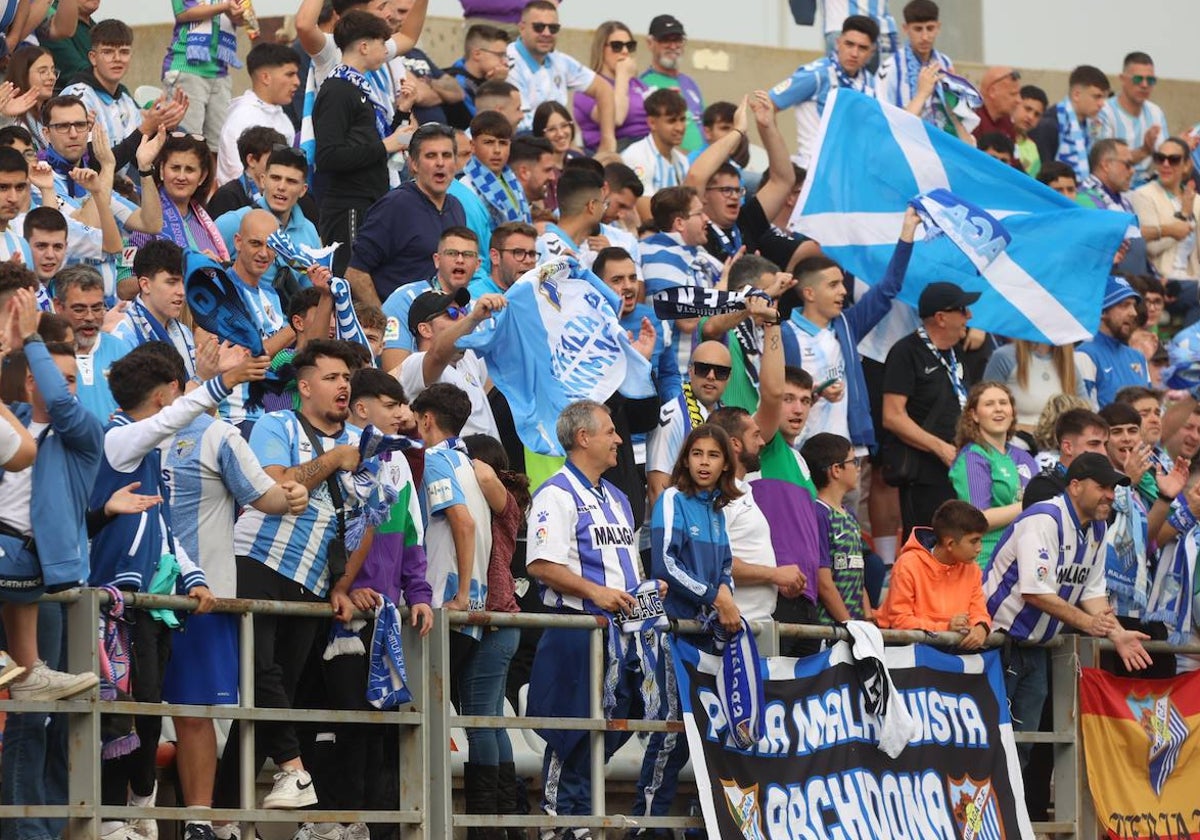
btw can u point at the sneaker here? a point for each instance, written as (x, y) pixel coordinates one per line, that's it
(195, 831)
(9, 670)
(148, 828)
(357, 831)
(293, 789)
(125, 831)
(44, 683)
(321, 831)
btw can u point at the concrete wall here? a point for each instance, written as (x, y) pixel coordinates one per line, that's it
(723, 70)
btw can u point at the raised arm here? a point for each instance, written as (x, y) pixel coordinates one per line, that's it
(772, 195)
(442, 352)
(719, 151)
(310, 34)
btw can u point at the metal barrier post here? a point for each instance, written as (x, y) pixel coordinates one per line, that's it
(1069, 792)
(1089, 657)
(415, 742)
(596, 711)
(437, 693)
(83, 780)
(245, 745)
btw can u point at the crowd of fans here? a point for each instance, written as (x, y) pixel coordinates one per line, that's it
(798, 450)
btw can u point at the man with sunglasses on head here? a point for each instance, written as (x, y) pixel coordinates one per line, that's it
(708, 374)
(437, 320)
(666, 42)
(542, 73)
(1129, 115)
(455, 262)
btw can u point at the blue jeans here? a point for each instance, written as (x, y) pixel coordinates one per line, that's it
(481, 692)
(35, 754)
(1026, 684)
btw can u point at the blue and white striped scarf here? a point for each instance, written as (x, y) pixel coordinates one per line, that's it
(645, 636)
(1126, 569)
(491, 188)
(1074, 138)
(387, 679)
(1171, 597)
(200, 40)
(359, 80)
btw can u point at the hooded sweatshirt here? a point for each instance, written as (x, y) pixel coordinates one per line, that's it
(925, 594)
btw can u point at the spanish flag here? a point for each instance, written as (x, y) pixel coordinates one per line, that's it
(1141, 741)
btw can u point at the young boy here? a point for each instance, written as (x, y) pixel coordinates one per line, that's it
(936, 583)
(656, 158)
(1028, 114)
(909, 78)
(840, 578)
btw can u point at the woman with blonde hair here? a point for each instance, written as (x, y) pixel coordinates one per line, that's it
(989, 471)
(613, 47)
(1044, 436)
(1034, 373)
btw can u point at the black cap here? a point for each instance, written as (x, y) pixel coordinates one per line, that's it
(429, 305)
(940, 297)
(1098, 468)
(665, 26)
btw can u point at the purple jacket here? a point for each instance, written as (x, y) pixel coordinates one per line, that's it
(505, 11)
(794, 534)
(635, 126)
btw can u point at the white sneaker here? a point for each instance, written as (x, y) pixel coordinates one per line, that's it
(44, 683)
(357, 831)
(146, 827)
(125, 831)
(9, 670)
(293, 789)
(321, 831)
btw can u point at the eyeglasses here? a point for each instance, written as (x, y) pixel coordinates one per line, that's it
(52, 72)
(856, 461)
(77, 127)
(623, 46)
(562, 126)
(452, 312)
(539, 28)
(1149, 81)
(497, 53)
(115, 52)
(454, 254)
(520, 254)
(961, 310)
(1014, 75)
(728, 192)
(703, 369)
(670, 39)
(83, 309)
(694, 215)
(1174, 160)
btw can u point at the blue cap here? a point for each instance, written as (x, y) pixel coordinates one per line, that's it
(1116, 290)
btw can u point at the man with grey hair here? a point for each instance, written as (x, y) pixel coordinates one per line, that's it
(582, 550)
(79, 297)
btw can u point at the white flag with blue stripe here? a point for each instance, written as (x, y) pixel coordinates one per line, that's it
(558, 341)
(872, 158)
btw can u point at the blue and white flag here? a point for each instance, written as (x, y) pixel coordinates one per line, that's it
(975, 232)
(872, 158)
(558, 341)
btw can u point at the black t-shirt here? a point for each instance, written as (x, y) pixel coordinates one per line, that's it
(1047, 484)
(758, 235)
(912, 370)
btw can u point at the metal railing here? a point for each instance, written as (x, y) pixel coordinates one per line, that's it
(423, 726)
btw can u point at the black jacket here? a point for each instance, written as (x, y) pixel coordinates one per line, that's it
(351, 160)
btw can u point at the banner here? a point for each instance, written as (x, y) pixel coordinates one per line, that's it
(817, 771)
(1141, 745)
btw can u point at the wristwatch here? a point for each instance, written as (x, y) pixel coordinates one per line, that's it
(146, 173)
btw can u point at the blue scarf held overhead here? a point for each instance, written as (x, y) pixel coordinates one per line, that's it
(491, 188)
(387, 679)
(216, 303)
(973, 230)
(202, 36)
(356, 78)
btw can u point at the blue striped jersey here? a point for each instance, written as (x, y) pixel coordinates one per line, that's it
(806, 91)
(12, 243)
(586, 528)
(210, 472)
(835, 12)
(182, 338)
(1045, 551)
(294, 546)
(667, 263)
(665, 441)
(821, 357)
(655, 171)
(264, 306)
(1116, 122)
(551, 79)
(449, 480)
(397, 335)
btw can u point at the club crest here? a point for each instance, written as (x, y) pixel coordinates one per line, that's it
(743, 807)
(976, 811)
(1166, 731)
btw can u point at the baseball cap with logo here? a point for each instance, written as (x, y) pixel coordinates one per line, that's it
(666, 26)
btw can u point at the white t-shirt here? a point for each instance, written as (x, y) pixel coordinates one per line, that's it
(557, 74)
(247, 111)
(470, 374)
(750, 540)
(17, 489)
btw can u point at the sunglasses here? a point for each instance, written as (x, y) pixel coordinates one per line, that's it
(553, 28)
(703, 369)
(1139, 79)
(1174, 160)
(623, 46)
(453, 312)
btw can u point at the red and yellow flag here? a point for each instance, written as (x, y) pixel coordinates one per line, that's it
(1141, 742)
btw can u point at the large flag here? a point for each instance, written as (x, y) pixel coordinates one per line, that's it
(872, 159)
(1141, 741)
(819, 771)
(558, 341)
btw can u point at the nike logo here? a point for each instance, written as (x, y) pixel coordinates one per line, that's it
(930, 370)
(1107, 370)
(304, 785)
